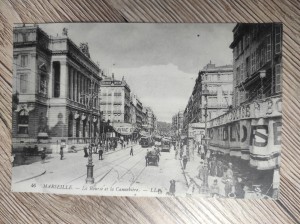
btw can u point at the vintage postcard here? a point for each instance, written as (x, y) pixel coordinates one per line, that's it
(147, 109)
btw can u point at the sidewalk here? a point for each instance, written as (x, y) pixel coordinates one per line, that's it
(191, 173)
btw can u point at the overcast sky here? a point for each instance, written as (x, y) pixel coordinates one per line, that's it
(160, 62)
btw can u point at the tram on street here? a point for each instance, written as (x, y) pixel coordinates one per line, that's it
(146, 142)
(165, 145)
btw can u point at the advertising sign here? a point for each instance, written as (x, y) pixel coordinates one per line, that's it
(123, 128)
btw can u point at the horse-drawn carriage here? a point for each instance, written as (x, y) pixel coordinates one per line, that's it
(152, 157)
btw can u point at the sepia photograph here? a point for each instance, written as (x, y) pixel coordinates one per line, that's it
(152, 110)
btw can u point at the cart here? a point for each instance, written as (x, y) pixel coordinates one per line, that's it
(152, 158)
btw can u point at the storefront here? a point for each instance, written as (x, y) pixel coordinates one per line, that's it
(251, 133)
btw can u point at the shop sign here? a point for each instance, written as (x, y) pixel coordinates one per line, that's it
(123, 128)
(270, 107)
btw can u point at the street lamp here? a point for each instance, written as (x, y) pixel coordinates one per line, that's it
(205, 93)
(89, 108)
(262, 75)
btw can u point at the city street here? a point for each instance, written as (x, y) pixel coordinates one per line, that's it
(118, 172)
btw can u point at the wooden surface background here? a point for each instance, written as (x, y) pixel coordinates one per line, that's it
(45, 208)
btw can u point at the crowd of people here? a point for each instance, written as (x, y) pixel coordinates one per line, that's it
(211, 172)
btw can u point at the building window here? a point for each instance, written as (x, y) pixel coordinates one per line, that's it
(23, 83)
(238, 75)
(262, 57)
(278, 78)
(247, 67)
(24, 61)
(253, 62)
(56, 81)
(242, 72)
(268, 48)
(277, 39)
(23, 120)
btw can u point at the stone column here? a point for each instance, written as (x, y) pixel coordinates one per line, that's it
(76, 86)
(64, 76)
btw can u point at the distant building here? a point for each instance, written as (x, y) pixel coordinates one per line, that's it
(218, 81)
(49, 76)
(115, 100)
(177, 123)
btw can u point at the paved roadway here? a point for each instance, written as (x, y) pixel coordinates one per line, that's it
(117, 174)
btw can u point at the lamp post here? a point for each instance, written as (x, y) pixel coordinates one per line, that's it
(205, 93)
(262, 75)
(89, 108)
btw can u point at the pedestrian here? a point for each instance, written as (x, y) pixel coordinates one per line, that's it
(184, 161)
(200, 169)
(85, 151)
(131, 151)
(228, 179)
(220, 169)
(172, 189)
(176, 152)
(213, 167)
(239, 188)
(100, 153)
(205, 174)
(202, 152)
(43, 155)
(191, 188)
(214, 189)
(61, 153)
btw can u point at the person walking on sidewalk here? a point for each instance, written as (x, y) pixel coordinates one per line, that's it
(43, 155)
(228, 180)
(184, 161)
(172, 189)
(85, 151)
(61, 153)
(212, 166)
(131, 151)
(100, 153)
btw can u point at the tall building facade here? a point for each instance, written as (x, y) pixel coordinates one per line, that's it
(115, 100)
(177, 123)
(257, 53)
(251, 130)
(50, 76)
(217, 80)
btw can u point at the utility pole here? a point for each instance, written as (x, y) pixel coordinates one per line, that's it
(89, 99)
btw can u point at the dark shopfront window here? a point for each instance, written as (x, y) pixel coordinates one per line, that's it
(23, 120)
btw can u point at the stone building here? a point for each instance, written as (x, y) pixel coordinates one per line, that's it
(251, 130)
(177, 123)
(257, 57)
(115, 100)
(50, 74)
(218, 81)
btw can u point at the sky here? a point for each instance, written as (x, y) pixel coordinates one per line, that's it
(160, 62)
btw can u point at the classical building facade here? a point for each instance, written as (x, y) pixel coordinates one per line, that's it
(115, 100)
(51, 74)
